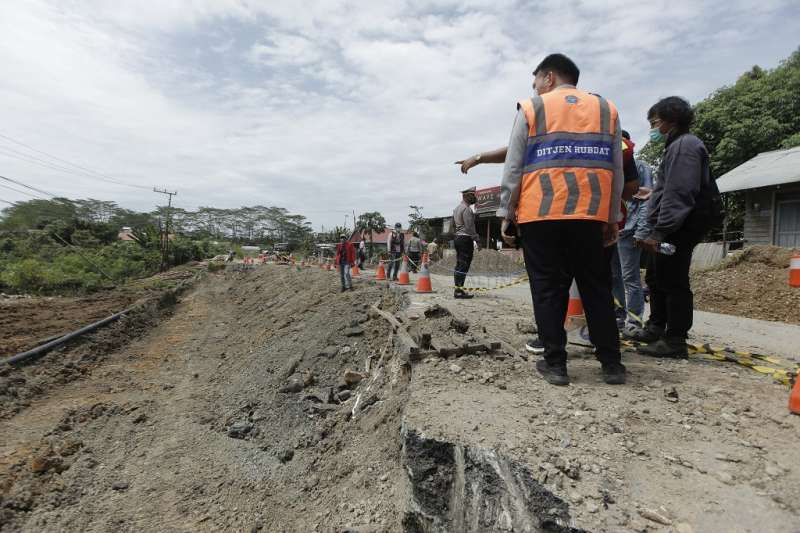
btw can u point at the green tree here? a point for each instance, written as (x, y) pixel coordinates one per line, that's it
(371, 222)
(758, 113)
(419, 223)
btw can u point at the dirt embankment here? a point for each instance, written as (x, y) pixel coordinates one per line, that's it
(753, 283)
(248, 409)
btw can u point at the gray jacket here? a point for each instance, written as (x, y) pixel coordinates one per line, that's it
(680, 175)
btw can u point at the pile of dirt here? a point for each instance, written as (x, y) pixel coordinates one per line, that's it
(753, 283)
(485, 262)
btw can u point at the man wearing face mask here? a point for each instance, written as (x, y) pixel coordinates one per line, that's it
(680, 212)
(466, 235)
(562, 187)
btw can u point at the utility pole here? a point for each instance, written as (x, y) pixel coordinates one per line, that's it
(165, 231)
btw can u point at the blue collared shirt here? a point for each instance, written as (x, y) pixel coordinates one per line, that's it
(636, 223)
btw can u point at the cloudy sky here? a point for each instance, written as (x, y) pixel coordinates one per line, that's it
(330, 107)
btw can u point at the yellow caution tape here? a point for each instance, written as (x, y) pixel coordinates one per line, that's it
(518, 281)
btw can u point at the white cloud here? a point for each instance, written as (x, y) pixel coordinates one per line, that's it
(328, 106)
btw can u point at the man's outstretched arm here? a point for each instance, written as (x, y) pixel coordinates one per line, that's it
(495, 156)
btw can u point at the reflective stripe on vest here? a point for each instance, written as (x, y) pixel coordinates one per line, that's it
(569, 161)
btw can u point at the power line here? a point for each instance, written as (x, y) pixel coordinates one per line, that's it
(4, 150)
(7, 202)
(28, 186)
(21, 192)
(88, 172)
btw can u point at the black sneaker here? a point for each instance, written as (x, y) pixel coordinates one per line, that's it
(614, 374)
(646, 334)
(463, 295)
(534, 345)
(554, 375)
(666, 348)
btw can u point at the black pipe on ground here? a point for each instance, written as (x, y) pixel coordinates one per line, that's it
(44, 348)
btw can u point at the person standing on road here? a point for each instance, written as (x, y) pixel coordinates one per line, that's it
(636, 228)
(362, 252)
(433, 250)
(414, 248)
(681, 210)
(466, 240)
(396, 246)
(631, 174)
(562, 187)
(345, 258)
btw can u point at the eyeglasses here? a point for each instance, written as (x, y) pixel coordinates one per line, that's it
(654, 123)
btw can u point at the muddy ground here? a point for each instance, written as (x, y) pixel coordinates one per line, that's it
(267, 400)
(753, 283)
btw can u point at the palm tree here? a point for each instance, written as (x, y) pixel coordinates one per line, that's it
(370, 222)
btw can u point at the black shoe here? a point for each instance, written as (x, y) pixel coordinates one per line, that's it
(667, 348)
(614, 374)
(463, 295)
(554, 375)
(343, 289)
(534, 345)
(646, 334)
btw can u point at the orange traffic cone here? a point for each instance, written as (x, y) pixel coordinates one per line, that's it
(354, 272)
(402, 276)
(574, 307)
(794, 271)
(380, 274)
(794, 397)
(424, 280)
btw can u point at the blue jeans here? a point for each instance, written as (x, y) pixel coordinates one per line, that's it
(394, 265)
(629, 256)
(617, 285)
(344, 273)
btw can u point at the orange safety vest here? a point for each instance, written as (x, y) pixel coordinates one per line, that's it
(569, 161)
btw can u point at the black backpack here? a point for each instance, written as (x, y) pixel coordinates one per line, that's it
(709, 211)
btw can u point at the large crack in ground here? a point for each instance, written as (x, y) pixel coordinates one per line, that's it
(454, 487)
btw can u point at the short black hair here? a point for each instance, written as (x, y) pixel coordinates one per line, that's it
(626, 135)
(675, 110)
(561, 65)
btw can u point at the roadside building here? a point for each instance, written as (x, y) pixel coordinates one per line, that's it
(771, 185)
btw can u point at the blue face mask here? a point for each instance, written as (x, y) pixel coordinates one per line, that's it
(656, 135)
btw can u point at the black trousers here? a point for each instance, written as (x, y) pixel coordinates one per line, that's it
(414, 259)
(556, 251)
(671, 297)
(465, 249)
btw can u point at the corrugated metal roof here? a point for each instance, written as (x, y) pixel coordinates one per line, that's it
(765, 169)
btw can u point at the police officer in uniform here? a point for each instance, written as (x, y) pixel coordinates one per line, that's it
(466, 239)
(562, 186)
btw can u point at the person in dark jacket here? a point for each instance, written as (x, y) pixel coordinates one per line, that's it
(345, 259)
(396, 246)
(674, 218)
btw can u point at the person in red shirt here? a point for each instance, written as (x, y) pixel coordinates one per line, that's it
(345, 258)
